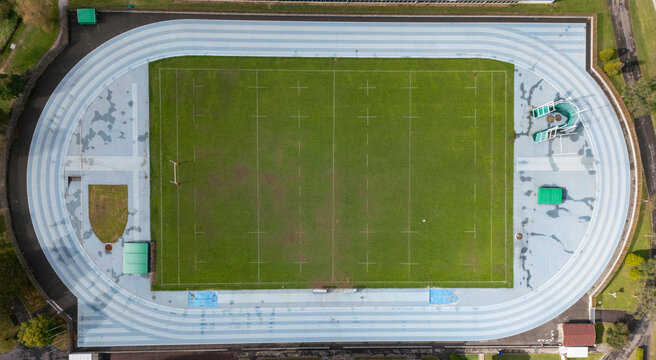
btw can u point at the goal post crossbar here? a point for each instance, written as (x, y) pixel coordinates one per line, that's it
(175, 172)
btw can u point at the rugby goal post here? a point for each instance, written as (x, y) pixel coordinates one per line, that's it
(175, 172)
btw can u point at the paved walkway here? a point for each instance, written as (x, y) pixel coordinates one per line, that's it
(113, 315)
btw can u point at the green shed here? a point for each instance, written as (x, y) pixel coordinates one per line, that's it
(135, 258)
(86, 16)
(550, 195)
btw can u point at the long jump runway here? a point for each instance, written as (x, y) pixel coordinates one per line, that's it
(111, 315)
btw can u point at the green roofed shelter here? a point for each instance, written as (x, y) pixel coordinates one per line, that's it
(550, 196)
(135, 258)
(86, 16)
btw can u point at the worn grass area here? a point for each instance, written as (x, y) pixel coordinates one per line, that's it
(108, 211)
(621, 285)
(331, 172)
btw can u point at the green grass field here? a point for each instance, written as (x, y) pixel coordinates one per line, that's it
(298, 173)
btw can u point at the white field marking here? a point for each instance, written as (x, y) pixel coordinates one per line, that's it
(193, 120)
(298, 117)
(491, 165)
(332, 223)
(340, 71)
(177, 158)
(337, 282)
(505, 175)
(298, 87)
(367, 87)
(475, 127)
(409, 117)
(300, 233)
(135, 124)
(196, 262)
(300, 193)
(367, 263)
(367, 232)
(475, 87)
(257, 166)
(161, 188)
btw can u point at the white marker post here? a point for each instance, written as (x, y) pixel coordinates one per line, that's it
(175, 172)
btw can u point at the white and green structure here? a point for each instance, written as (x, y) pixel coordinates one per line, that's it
(567, 110)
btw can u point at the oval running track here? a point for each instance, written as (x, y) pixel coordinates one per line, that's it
(130, 320)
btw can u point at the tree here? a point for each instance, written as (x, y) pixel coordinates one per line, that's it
(635, 274)
(11, 86)
(617, 335)
(640, 96)
(36, 331)
(613, 68)
(5, 9)
(633, 259)
(35, 12)
(606, 54)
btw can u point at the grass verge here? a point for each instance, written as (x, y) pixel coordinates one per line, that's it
(108, 211)
(621, 285)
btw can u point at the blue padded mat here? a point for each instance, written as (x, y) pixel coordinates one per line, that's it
(443, 296)
(201, 299)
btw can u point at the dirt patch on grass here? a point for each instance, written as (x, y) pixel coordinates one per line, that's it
(108, 211)
(241, 172)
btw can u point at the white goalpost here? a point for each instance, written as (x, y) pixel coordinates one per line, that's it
(175, 172)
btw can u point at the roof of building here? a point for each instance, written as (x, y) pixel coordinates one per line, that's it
(550, 195)
(135, 258)
(578, 334)
(86, 16)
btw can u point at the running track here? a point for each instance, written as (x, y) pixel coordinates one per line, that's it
(121, 318)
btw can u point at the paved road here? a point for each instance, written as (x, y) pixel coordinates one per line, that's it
(133, 320)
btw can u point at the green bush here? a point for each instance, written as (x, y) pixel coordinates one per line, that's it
(635, 274)
(613, 68)
(633, 259)
(617, 335)
(36, 331)
(606, 54)
(11, 86)
(7, 27)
